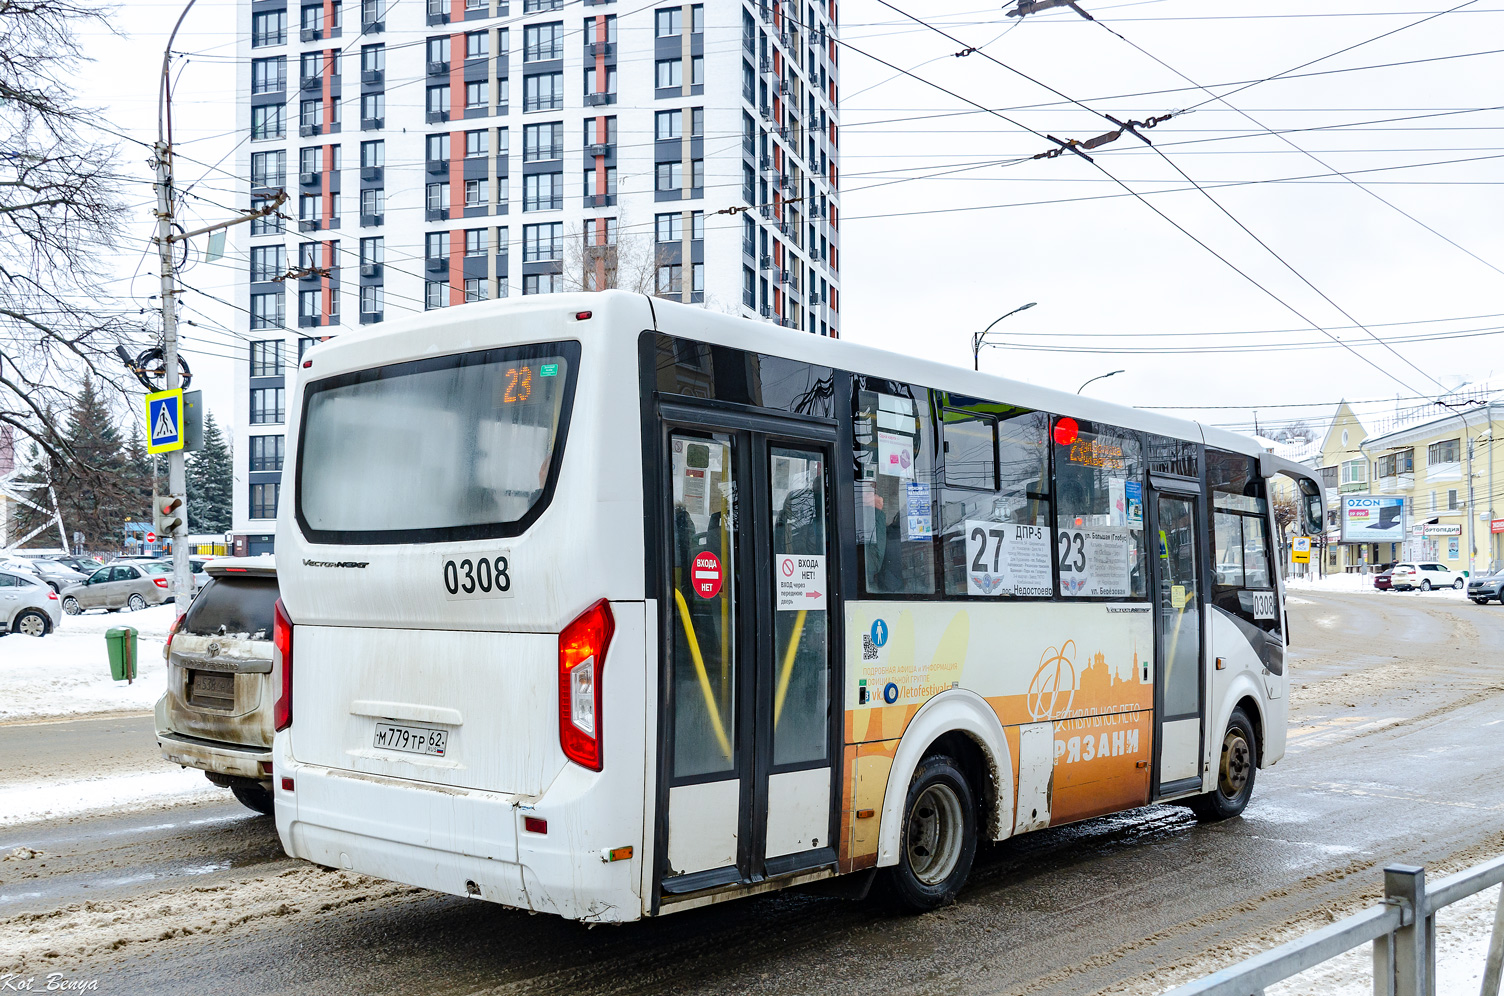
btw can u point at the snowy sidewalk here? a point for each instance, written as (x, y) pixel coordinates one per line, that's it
(67, 672)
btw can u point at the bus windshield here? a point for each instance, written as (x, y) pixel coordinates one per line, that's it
(447, 448)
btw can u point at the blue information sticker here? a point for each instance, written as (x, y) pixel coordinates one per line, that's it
(879, 633)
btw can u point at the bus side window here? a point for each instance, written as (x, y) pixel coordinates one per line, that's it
(895, 487)
(1240, 537)
(1099, 510)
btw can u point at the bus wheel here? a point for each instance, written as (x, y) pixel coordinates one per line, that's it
(939, 836)
(1235, 772)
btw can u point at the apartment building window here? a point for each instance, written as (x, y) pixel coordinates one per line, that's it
(670, 279)
(592, 182)
(1398, 462)
(1446, 451)
(310, 207)
(269, 29)
(267, 311)
(697, 174)
(543, 192)
(267, 452)
(477, 144)
(372, 299)
(697, 225)
(268, 121)
(477, 193)
(542, 42)
(304, 344)
(264, 500)
(543, 92)
(503, 243)
(438, 100)
(697, 122)
(749, 288)
(596, 82)
(669, 73)
(542, 142)
(310, 112)
(503, 47)
(266, 358)
(476, 289)
(436, 246)
(308, 304)
(697, 19)
(697, 278)
(373, 58)
(266, 224)
(267, 263)
(435, 294)
(269, 75)
(372, 105)
(1452, 503)
(373, 201)
(668, 22)
(268, 405)
(542, 242)
(543, 283)
(668, 125)
(436, 148)
(311, 159)
(372, 251)
(478, 94)
(310, 66)
(669, 227)
(269, 169)
(373, 154)
(475, 242)
(669, 176)
(538, 6)
(1355, 472)
(313, 17)
(438, 196)
(592, 131)
(697, 70)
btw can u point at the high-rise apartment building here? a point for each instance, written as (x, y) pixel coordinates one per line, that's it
(436, 152)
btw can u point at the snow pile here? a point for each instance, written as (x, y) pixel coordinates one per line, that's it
(67, 672)
(1349, 583)
(25, 802)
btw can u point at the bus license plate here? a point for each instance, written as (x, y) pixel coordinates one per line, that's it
(413, 739)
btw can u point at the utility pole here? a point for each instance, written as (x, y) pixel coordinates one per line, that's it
(177, 471)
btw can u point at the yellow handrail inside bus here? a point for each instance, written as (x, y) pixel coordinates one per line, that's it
(694, 652)
(725, 620)
(788, 666)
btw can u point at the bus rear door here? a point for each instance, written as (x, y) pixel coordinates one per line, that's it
(746, 788)
(1179, 639)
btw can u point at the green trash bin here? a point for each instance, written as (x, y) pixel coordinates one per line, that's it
(121, 641)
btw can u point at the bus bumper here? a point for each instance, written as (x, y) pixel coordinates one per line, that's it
(464, 842)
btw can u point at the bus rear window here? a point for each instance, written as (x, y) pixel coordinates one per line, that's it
(455, 447)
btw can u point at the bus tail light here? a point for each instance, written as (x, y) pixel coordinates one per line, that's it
(281, 666)
(582, 652)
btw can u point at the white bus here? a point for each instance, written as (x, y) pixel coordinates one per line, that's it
(610, 607)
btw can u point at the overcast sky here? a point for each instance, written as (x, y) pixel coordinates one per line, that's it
(948, 224)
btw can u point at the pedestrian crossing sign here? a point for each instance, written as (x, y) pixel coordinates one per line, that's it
(164, 421)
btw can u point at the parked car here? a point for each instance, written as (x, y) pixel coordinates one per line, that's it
(84, 565)
(217, 713)
(27, 605)
(17, 565)
(1383, 580)
(55, 574)
(1425, 576)
(1481, 589)
(131, 586)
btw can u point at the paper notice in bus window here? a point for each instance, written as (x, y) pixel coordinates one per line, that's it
(1093, 562)
(694, 492)
(800, 581)
(893, 403)
(1006, 558)
(895, 455)
(918, 507)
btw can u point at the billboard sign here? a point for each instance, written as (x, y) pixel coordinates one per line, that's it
(1373, 519)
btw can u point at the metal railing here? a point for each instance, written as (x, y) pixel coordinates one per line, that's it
(1402, 931)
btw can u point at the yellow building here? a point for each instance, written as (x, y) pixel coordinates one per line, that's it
(1450, 470)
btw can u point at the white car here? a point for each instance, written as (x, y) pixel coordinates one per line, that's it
(27, 605)
(1425, 576)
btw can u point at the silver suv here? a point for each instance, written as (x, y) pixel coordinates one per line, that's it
(217, 713)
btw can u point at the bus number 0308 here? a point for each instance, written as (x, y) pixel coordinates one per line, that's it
(477, 577)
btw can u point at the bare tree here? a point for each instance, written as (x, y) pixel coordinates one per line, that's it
(59, 215)
(626, 262)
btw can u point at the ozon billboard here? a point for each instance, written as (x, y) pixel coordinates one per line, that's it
(1372, 519)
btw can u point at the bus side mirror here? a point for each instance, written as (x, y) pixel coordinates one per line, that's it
(1312, 507)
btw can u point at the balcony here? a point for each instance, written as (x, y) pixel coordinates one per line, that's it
(370, 172)
(370, 317)
(309, 224)
(371, 220)
(436, 214)
(438, 166)
(373, 27)
(765, 163)
(311, 34)
(370, 269)
(437, 18)
(607, 49)
(766, 311)
(597, 99)
(311, 83)
(308, 321)
(309, 130)
(373, 75)
(434, 117)
(437, 264)
(438, 69)
(372, 124)
(598, 149)
(600, 200)
(766, 263)
(1396, 482)
(765, 65)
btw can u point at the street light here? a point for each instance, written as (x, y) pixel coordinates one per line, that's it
(976, 340)
(1100, 377)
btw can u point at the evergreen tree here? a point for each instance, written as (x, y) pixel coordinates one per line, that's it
(211, 473)
(93, 487)
(140, 468)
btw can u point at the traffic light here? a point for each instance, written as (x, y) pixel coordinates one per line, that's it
(167, 516)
